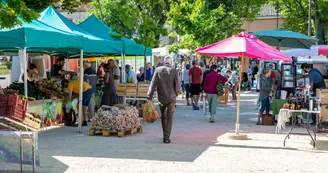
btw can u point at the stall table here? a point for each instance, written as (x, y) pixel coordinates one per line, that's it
(284, 116)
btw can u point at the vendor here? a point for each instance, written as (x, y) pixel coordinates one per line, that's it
(32, 74)
(316, 79)
(57, 69)
(73, 87)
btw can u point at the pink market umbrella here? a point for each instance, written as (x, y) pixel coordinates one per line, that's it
(243, 45)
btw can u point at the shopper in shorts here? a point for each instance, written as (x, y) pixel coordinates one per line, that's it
(73, 87)
(195, 74)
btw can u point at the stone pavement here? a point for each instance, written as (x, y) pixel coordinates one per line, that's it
(197, 147)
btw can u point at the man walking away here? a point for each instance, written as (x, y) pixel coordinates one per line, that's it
(195, 74)
(167, 84)
(90, 77)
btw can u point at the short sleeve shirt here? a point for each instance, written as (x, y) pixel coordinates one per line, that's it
(74, 86)
(55, 71)
(315, 77)
(196, 74)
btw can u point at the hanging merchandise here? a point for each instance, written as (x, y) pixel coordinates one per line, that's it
(326, 66)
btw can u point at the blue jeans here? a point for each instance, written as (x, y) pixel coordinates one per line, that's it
(265, 105)
(212, 102)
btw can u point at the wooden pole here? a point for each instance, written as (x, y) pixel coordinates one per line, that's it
(238, 104)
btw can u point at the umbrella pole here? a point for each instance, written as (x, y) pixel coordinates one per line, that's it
(238, 136)
(25, 72)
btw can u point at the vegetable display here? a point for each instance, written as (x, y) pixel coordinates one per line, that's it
(116, 119)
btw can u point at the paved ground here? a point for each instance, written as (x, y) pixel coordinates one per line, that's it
(197, 147)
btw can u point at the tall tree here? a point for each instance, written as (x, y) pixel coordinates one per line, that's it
(206, 22)
(296, 16)
(28, 10)
(141, 20)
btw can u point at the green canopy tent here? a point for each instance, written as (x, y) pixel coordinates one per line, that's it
(93, 45)
(97, 27)
(38, 37)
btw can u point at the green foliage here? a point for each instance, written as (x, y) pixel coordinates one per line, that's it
(206, 22)
(295, 13)
(141, 20)
(28, 10)
(121, 15)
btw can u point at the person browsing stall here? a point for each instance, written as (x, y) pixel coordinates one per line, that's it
(210, 88)
(73, 87)
(57, 69)
(316, 79)
(32, 74)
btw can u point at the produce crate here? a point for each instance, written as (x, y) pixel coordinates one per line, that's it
(131, 89)
(119, 93)
(16, 107)
(131, 92)
(121, 87)
(324, 95)
(143, 87)
(324, 113)
(3, 104)
(32, 122)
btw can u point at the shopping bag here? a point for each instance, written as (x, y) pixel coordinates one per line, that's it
(149, 112)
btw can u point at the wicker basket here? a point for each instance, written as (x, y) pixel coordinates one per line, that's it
(268, 120)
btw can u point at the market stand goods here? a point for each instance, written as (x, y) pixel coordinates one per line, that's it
(45, 97)
(116, 119)
(44, 89)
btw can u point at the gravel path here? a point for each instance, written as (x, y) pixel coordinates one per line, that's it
(197, 147)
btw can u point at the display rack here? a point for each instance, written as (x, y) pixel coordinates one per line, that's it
(24, 132)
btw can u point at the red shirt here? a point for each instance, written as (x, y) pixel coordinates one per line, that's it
(196, 74)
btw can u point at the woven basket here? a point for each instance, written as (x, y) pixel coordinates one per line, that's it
(268, 120)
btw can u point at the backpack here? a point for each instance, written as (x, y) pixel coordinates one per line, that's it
(70, 117)
(219, 88)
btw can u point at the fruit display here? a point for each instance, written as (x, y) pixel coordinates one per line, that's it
(116, 119)
(43, 89)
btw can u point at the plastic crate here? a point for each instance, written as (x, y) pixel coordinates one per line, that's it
(16, 108)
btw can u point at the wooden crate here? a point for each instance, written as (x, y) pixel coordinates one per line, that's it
(143, 94)
(324, 95)
(121, 87)
(143, 87)
(131, 92)
(121, 93)
(324, 113)
(225, 98)
(95, 132)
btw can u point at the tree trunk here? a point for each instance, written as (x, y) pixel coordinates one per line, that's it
(319, 27)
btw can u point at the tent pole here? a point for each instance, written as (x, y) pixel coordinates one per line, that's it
(135, 63)
(81, 93)
(123, 73)
(239, 83)
(25, 72)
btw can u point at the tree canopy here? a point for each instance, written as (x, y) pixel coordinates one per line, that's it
(204, 22)
(295, 13)
(27, 10)
(141, 20)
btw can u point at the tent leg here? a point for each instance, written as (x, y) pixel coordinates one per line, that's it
(123, 74)
(81, 93)
(25, 72)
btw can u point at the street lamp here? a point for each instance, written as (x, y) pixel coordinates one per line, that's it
(309, 19)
